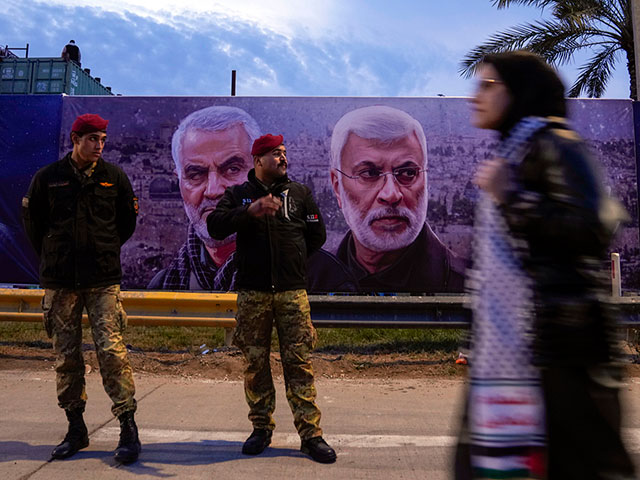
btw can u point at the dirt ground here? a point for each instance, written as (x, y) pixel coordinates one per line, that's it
(227, 363)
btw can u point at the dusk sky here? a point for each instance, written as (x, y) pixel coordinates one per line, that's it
(279, 48)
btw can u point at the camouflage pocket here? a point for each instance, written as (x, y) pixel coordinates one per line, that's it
(47, 300)
(121, 315)
(237, 338)
(314, 337)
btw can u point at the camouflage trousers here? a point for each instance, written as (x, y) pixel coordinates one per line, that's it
(290, 311)
(62, 320)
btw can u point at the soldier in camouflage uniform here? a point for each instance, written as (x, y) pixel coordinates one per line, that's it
(77, 213)
(278, 224)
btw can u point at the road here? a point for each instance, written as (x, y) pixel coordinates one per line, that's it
(194, 428)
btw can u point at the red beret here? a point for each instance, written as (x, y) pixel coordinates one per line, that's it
(89, 122)
(265, 144)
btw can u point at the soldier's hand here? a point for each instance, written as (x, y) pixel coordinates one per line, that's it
(268, 205)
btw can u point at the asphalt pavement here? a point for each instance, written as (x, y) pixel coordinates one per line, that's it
(194, 428)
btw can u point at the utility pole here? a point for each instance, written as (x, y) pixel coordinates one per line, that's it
(635, 16)
(233, 83)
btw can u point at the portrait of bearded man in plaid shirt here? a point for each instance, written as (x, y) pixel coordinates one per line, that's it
(212, 151)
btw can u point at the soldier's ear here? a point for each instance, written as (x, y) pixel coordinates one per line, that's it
(75, 138)
(336, 186)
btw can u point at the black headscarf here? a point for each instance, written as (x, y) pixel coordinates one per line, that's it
(534, 86)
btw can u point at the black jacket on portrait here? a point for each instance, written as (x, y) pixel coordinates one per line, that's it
(426, 266)
(271, 251)
(78, 226)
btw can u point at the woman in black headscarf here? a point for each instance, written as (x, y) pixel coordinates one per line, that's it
(543, 401)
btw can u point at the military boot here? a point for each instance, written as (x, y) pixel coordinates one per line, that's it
(259, 439)
(129, 445)
(77, 436)
(318, 449)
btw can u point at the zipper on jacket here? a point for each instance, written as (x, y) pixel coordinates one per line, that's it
(273, 281)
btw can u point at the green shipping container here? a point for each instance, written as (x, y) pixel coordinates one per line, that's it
(47, 76)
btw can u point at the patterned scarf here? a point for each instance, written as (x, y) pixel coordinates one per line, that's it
(506, 408)
(194, 257)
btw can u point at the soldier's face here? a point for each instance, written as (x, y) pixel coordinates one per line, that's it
(89, 146)
(211, 162)
(273, 164)
(388, 213)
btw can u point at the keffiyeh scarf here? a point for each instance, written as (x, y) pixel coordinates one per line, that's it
(193, 257)
(506, 411)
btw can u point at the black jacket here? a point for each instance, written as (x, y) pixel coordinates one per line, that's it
(557, 205)
(271, 252)
(77, 226)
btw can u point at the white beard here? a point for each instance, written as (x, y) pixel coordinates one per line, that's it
(384, 241)
(200, 224)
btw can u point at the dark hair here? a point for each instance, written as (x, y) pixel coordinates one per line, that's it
(535, 87)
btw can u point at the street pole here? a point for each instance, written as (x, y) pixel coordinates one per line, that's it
(233, 83)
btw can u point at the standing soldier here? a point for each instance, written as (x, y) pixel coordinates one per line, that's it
(78, 213)
(277, 224)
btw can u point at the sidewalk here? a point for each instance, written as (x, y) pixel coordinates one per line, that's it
(194, 428)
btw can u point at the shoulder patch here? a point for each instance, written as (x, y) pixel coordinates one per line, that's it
(312, 218)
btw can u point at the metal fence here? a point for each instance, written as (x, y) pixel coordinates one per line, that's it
(218, 309)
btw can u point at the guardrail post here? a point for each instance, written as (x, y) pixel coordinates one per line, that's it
(616, 280)
(228, 336)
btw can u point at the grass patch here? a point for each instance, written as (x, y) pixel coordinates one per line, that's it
(180, 339)
(161, 339)
(388, 340)
(23, 333)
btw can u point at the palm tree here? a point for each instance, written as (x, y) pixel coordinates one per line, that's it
(604, 27)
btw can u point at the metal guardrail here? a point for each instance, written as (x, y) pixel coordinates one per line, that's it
(143, 308)
(218, 309)
(438, 311)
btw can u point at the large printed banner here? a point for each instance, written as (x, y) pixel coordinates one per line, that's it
(29, 133)
(376, 190)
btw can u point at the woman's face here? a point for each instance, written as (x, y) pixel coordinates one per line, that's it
(491, 101)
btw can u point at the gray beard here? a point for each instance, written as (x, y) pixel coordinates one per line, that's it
(200, 225)
(385, 241)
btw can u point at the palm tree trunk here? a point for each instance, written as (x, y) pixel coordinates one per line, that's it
(631, 67)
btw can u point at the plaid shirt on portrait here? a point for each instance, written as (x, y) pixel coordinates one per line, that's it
(193, 258)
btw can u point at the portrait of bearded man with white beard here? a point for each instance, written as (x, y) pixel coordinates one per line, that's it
(379, 177)
(211, 149)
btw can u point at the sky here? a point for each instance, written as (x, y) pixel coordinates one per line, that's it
(400, 48)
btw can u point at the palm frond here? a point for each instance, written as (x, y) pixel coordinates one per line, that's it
(594, 76)
(554, 41)
(559, 47)
(603, 26)
(619, 10)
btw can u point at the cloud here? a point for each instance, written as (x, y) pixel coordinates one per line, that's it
(285, 47)
(279, 16)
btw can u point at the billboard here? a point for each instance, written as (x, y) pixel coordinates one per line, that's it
(29, 134)
(170, 250)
